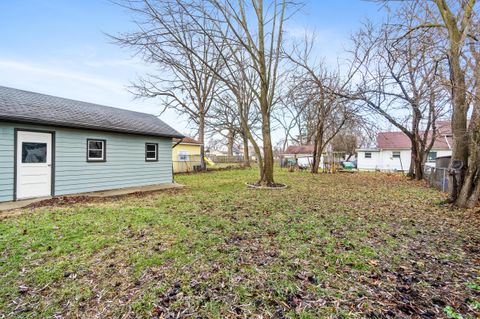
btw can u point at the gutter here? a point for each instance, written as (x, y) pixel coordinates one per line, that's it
(24, 120)
(179, 141)
(173, 173)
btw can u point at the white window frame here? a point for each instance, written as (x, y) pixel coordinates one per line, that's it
(369, 154)
(103, 149)
(183, 156)
(433, 160)
(396, 154)
(150, 159)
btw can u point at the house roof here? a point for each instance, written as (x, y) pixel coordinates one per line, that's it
(300, 149)
(187, 140)
(398, 140)
(29, 107)
(444, 127)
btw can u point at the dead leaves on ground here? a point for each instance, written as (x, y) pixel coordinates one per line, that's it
(346, 245)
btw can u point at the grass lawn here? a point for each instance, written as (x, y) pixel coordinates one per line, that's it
(338, 246)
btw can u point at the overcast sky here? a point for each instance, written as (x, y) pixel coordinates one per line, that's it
(59, 47)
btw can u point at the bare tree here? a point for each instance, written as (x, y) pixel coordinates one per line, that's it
(397, 79)
(331, 113)
(253, 31)
(325, 111)
(185, 60)
(470, 185)
(294, 117)
(346, 141)
(260, 35)
(290, 117)
(233, 113)
(223, 120)
(452, 23)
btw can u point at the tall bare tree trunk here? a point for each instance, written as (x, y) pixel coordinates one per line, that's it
(459, 123)
(417, 151)
(250, 137)
(416, 169)
(411, 169)
(230, 142)
(201, 139)
(266, 91)
(470, 190)
(317, 151)
(419, 166)
(266, 179)
(457, 26)
(246, 155)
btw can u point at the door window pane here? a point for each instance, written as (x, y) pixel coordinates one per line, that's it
(34, 152)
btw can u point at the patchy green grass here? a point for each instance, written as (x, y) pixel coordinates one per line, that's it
(340, 246)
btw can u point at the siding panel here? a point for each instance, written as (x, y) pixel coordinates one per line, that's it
(6, 162)
(125, 165)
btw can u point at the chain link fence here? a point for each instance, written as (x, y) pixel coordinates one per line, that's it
(436, 177)
(225, 159)
(192, 163)
(187, 164)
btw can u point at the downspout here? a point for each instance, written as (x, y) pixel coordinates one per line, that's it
(448, 143)
(179, 141)
(401, 164)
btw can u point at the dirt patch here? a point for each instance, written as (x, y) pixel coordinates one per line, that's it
(214, 169)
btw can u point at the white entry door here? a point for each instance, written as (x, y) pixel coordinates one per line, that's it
(34, 164)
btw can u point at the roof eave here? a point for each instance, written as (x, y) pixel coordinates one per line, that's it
(83, 126)
(367, 150)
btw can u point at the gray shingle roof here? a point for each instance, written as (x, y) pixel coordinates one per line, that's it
(29, 107)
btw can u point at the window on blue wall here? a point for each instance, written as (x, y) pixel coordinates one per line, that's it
(151, 152)
(96, 150)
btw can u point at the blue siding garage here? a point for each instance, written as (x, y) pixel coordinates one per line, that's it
(82, 159)
(6, 163)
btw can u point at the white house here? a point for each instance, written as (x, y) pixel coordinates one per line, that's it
(303, 154)
(393, 151)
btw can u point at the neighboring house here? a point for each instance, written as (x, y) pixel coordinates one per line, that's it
(186, 154)
(303, 154)
(54, 146)
(221, 156)
(216, 153)
(235, 152)
(393, 151)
